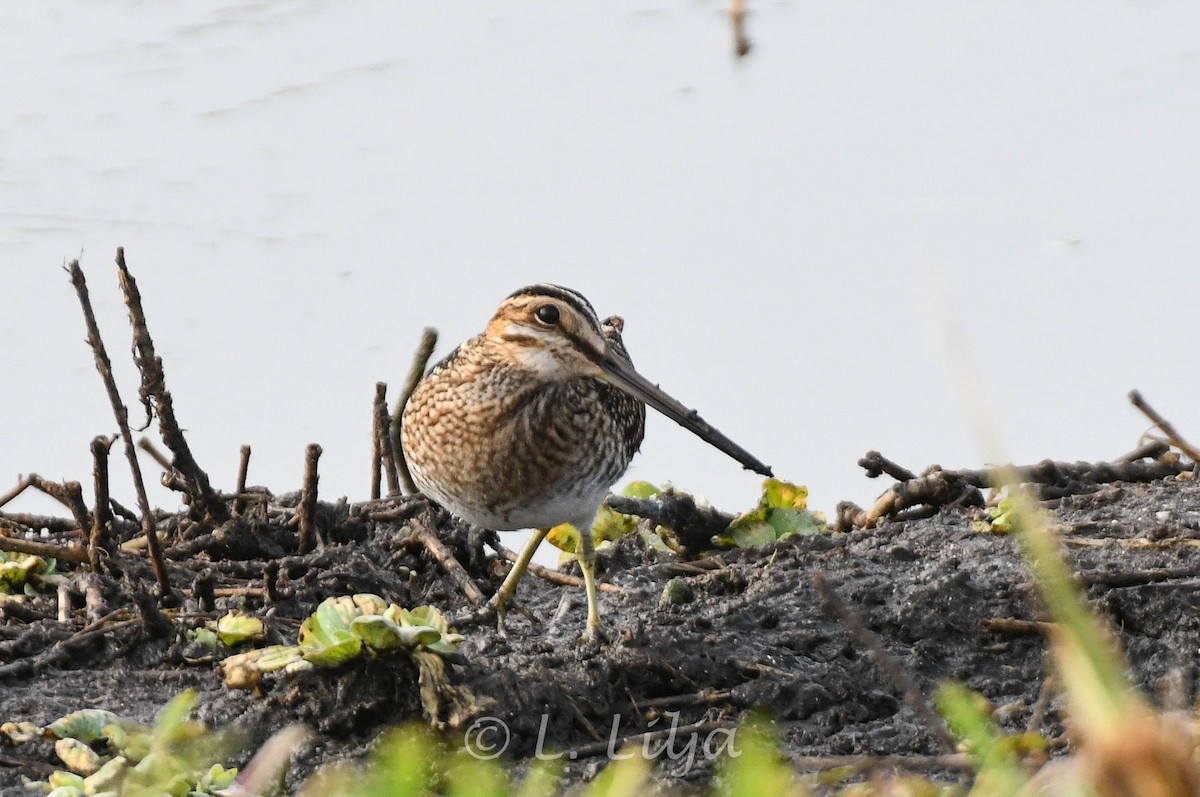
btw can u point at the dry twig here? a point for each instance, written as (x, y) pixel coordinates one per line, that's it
(1135, 398)
(102, 514)
(104, 366)
(383, 454)
(1014, 625)
(925, 495)
(64, 553)
(308, 500)
(444, 557)
(239, 502)
(205, 501)
(416, 371)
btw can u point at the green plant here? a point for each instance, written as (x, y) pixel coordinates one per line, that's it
(177, 757)
(782, 512)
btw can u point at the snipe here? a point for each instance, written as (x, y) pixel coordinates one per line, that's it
(528, 425)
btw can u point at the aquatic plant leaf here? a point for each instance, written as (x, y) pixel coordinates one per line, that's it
(77, 756)
(565, 538)
(380, 633)
(65, 780)
(236, 628)
(86, 725)
(244, 670)
(638, 489)
(334, 653)
(20, 732)
(366, 603)
(428, 615)
(129, 740)
(203, 635)
(216, 778)
(325, 635)
(778, 494)
(107, 777)
(781, 513)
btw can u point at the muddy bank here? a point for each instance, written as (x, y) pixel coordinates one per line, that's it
(735, 630)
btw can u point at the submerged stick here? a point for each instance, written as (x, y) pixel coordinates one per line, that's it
(416, 372)
(104, 366)
(154, 389)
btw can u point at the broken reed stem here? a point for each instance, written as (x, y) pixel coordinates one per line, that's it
(416, 372)
(239, 502)
(104, 366)
(308, 499)
(30, 522)
(1038, 713)
(159, 457)
(1014, 625)
(102, 514)
(444, 557)
(69, 494)
(21, 487)
(271, 581)
(383, 437)
(876, 464)
(900, 679)
(205, 500)
(376, 446)
(1135, 398)
(63, 553)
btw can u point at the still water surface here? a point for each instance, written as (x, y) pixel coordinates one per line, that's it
(796, 239)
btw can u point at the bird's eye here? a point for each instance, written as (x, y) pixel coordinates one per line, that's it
(547, 314)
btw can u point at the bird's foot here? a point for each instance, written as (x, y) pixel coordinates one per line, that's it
(500, 615)
(592, 639)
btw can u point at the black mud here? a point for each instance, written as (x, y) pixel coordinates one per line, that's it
(739, 630)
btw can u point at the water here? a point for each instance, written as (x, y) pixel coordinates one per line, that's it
(796, 239)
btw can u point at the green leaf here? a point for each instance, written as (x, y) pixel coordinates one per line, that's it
(78, 757)
(236, 628)
(86, 725)
(781, 513)
(640, 490)
(325, 636)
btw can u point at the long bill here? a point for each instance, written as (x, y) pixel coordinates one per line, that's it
(620, 373)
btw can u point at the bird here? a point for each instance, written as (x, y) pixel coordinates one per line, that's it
(529, 424)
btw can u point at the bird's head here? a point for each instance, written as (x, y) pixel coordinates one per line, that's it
(555, 332)
(552, 331)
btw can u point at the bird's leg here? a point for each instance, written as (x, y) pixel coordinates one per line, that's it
(587, 563)
(509, 587)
